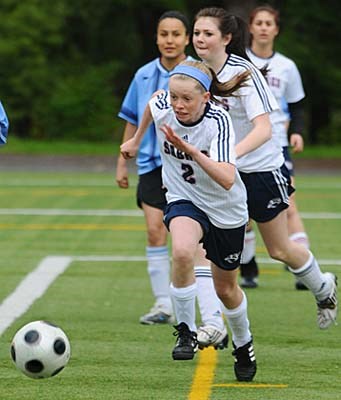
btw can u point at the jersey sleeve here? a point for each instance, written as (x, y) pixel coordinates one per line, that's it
(4, 124)
(159, 104)
(294, 91)
(256, 96)
(129, 108)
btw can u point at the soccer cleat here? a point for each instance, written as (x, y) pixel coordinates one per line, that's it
(158, 314)
(186, 344)
(211, 336)
(249, 283)
(245, 365)
(327, 309)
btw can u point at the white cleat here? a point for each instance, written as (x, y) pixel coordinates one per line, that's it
(208, 335)
(327, 309)
(158, 314)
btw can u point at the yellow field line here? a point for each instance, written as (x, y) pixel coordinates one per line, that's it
(204, 374)
(251, 385)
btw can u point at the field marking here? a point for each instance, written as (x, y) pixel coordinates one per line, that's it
(124, 213)
(33, 286)
(252, 385)
(204, 375)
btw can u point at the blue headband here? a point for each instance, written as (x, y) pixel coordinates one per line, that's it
(194, 73)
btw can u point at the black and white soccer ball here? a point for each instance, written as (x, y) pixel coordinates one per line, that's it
(40, 349)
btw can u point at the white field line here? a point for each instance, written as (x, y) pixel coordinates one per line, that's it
(123, 213)
(30, 289)
(35, 284)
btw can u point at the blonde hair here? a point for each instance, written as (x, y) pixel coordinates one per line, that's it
(217, 88)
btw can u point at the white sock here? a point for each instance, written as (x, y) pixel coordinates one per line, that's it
(158, 269)
(239, 323)
(184, 304)
(311, 276)
(300, 237)
(208, 301)
(249, 250)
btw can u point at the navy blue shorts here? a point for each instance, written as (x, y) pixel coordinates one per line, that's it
(223, 246)
(267, 193)
(288, 160)
(150, 190)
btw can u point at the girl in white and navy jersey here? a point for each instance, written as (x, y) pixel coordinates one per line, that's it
(219, 41)
(206, 198)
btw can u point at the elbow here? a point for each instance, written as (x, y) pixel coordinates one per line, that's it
(228, 183)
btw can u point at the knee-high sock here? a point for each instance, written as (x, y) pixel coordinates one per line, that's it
(184, 304)
(249, 250)
(311, 276)
(239, 323)
(208, 301)
(158, 269)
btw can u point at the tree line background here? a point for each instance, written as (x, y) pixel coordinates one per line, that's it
(65, 65)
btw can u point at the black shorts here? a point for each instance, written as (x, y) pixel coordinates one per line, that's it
(288, 160)
(267, 193)
(150, 190)
(223, 246)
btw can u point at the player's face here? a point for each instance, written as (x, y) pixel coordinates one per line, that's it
(171, 38)
(208, 41)
(264, 28)
(187, 100)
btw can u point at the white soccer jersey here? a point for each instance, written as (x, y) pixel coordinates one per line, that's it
(250, 101)
(184, 179)
(285, 83)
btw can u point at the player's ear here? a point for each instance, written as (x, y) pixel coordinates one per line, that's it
(207, 96)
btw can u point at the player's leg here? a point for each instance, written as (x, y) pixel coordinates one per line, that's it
(249, 270)
(186, 234)
(151, 198)
(235, 309)
(296, 230)
(303, 265)
(212, 331)
(158, 266)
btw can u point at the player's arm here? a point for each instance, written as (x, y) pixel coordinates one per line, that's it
(259, 134)
(296, 125)
(130, 147)
(121, 167)
(221, 172)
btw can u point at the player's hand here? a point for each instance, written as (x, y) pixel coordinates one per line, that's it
(122, 173)
(129, 149)
(296, 143)
(175, 140)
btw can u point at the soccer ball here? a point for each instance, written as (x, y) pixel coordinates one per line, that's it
(40, 349)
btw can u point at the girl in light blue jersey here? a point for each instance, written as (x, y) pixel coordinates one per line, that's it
(3, 125)
(172, 38)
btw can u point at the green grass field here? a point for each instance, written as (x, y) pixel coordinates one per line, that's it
(99, 299)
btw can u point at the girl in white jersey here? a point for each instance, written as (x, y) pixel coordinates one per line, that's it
(218, 40)
(285, 83)
(206, 201)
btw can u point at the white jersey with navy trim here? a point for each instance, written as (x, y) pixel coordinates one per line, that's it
(285, 83)
(184, 179)
(247, 103)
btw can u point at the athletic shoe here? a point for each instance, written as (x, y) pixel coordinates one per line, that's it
(327, 309)
(158, 314)
(245, 365)
(211, 336)
(300, 286)
(186, 344)
(249, 283)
